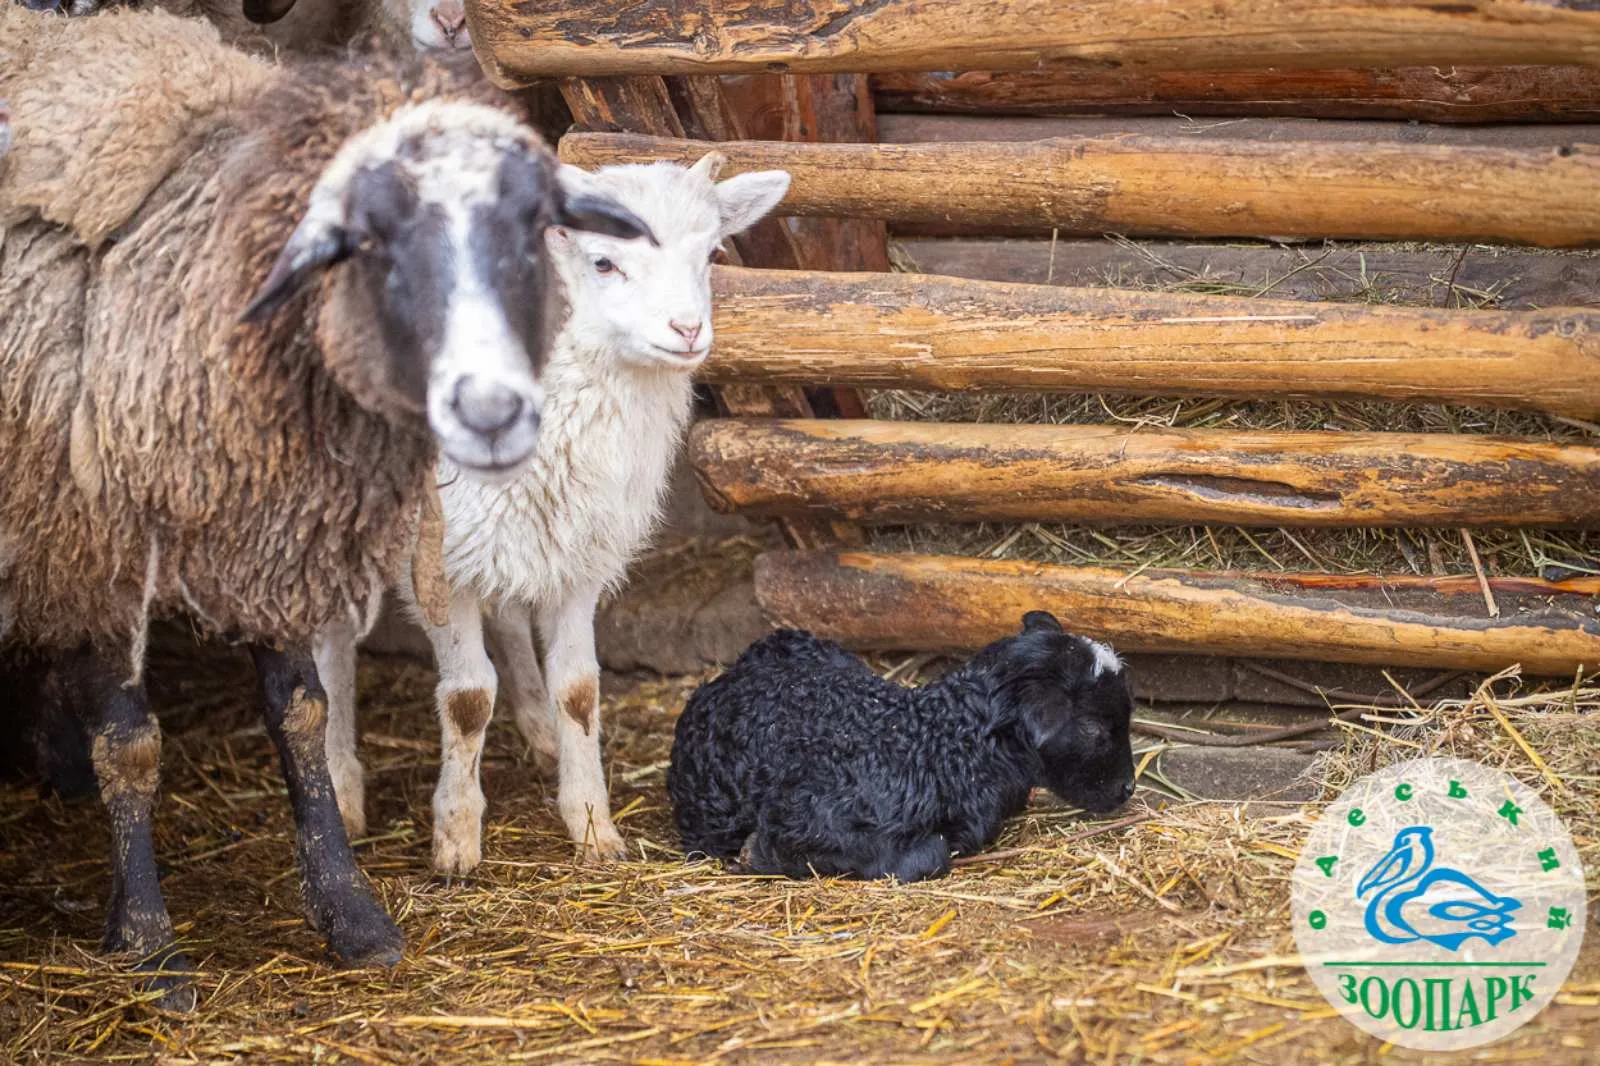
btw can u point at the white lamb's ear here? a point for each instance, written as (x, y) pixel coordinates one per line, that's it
(709, 166)
(744, 199)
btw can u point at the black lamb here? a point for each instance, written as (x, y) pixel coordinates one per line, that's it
(801, 761)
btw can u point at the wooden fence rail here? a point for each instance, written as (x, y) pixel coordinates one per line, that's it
(886, 472)
(951, 604)
(1427, 94)
(1170, 186)
(911, 331)
(518, 41)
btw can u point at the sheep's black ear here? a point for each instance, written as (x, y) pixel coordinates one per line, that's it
(304, 255)
(262, 12)
(1040, 621)
(579, 205)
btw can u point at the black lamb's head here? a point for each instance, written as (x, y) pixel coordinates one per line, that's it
(1072, 699)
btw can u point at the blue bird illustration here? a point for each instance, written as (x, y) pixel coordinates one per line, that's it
(1399, 881)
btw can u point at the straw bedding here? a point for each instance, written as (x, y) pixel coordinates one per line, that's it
(1161, 941)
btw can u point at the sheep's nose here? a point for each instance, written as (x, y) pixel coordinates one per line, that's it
(450, 17)
(1127, 791)
(689, 333)
(485, 407)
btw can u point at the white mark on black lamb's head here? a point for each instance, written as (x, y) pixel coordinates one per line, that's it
(651, 302)
(440, 212)
(1073, 698)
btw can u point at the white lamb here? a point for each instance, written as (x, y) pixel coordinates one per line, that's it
(540, 550)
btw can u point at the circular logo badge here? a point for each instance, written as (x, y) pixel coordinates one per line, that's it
(1439, 904)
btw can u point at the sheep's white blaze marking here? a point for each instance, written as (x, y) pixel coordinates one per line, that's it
(478, 339)
(1105, 660)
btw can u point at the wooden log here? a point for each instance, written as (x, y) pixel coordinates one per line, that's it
(883, 472)
(954, 604)
(1427, 94)
(1288, 133)
(912, 331)
(1506, 279)
(1178, 188)
(517, 41)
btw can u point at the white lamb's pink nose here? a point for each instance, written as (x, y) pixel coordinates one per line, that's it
(689, 333)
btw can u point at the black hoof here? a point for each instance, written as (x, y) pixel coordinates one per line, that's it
(170, 972)
(366, 940)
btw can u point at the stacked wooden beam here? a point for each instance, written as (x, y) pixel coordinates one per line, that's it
(1043, 173)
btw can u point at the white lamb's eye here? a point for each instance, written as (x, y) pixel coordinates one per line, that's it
(602, 265)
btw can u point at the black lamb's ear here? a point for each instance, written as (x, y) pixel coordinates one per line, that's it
(262, 12)
(310, 249)
(1040, 621)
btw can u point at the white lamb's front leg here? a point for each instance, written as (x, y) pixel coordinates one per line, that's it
(510, 633)
(573, 675)
(465, 701)
(334, 651)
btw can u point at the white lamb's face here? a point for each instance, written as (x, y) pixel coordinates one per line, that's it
(650, 302)
(435, 25)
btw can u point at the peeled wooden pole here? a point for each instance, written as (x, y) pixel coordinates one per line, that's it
(1176, 187)
(883, 472)
(517, 41)
(1427, 94)
(952, 604)
(911, 331)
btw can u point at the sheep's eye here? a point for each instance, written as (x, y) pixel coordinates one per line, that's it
(602, 265)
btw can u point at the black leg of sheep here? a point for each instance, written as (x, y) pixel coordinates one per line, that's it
(338, 898)
(126, 751)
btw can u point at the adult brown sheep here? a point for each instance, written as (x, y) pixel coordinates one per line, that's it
(262, 477)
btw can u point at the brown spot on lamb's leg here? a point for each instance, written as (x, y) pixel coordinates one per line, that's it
(338, 898)
(465, 702)
(126, 751)
(581, 703)
(573, 675)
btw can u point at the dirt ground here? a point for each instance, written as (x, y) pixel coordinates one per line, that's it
(1164, 941)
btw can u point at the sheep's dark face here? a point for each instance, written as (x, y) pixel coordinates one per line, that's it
(1073, 698)
(441, 214)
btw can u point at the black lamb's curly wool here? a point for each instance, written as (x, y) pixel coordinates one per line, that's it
(800, 760)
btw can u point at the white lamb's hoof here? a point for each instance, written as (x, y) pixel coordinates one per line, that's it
(603, 846)
(455, 858)
(457, 846)
(349, 790)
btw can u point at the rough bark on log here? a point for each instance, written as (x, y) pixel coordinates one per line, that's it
(517, 41)
(1165, 186)
(912, 331)
(883, 472)
(953, 604)
(1288, 133)
(1506, 279)
(1427, 94)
